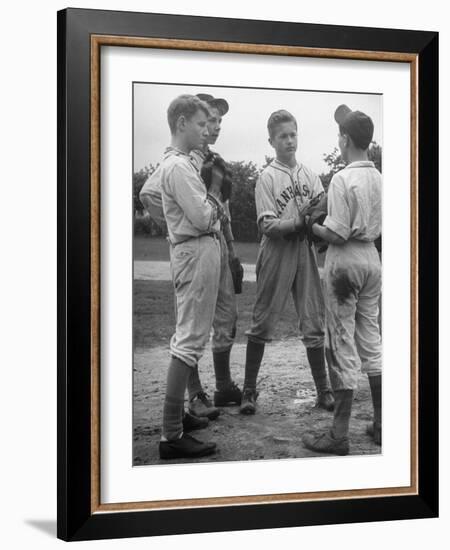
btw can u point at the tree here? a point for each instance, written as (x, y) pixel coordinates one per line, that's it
(139, 178)
(242, 203)
(335, 162)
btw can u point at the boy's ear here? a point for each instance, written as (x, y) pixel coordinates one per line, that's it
(181, 122)
(270, 141)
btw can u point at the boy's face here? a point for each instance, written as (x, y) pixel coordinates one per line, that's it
(214, 125)
(194, 130)
(284, 139)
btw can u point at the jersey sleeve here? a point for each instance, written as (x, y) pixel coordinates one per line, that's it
(338, 219)
(190, 194)
(268, 221)
(264, 199)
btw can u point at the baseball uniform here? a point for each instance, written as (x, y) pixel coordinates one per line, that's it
(285, 266)
(352, 275)
(225, 318)
(193, 227)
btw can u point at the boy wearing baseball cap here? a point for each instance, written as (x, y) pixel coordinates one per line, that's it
(352, 280)
(225, 317)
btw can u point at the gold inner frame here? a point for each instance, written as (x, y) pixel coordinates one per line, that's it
(97, 41)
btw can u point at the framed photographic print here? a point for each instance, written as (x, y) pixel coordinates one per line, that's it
(237, 350)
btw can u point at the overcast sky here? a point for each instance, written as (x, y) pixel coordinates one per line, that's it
(244, 127)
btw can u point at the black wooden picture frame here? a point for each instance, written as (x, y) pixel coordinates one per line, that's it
(81, 34)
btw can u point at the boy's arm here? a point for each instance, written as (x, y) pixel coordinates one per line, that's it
(336, 226)
(268, 220)
(190, 194)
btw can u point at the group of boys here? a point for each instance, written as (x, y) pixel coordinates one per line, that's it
(338, 317)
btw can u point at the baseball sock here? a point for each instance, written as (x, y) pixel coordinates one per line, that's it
(254, 355)
(316, 358)
(342, 410)
(375, 390)
(194, 386)
(173, 410)
(222, 369)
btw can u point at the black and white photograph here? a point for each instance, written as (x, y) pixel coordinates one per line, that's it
(257, 273)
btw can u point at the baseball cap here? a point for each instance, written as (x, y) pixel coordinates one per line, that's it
(356, 124)
(219, 103)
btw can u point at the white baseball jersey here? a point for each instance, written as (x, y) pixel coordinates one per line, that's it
(187, 210)
(279, 193)
(354, 202)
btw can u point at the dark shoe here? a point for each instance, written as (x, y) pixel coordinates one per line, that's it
(191, 422)
(201, 406)
(185, 447)
(325, 400)
(326, 443)
(231, 395)
(248, 404)
(374, 430)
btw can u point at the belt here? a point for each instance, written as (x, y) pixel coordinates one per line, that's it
(211, 234)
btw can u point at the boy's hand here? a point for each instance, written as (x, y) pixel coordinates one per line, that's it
(301, 214)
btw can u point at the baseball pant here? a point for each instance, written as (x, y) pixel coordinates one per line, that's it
(225, 317)
(352, 283)
(195, 270)
(283, 267)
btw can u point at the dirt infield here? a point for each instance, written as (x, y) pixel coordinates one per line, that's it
(285, 408)
(287, 396)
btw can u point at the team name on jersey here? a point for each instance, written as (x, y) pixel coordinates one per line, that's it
(294, 192)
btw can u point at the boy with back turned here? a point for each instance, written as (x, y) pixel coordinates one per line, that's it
(352, 281)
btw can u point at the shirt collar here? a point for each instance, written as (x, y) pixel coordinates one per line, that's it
(286, 167)
(174, 151)
(361, 164)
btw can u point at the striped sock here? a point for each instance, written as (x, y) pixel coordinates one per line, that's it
(194, 386)
(177, 376)
(254, 355)
(222, 369)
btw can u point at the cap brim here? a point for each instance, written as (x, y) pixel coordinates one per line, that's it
(220, 104)
(205, 97)
(341, 112)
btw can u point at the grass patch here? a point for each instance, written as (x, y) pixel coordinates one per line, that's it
(157, 249)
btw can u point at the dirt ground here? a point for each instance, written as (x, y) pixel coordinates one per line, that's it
(285, 408)
(287, 395)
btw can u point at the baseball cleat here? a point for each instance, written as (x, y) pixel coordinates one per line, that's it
(374, 430)
(185, 447)
(231, 395)
(326, 443)
(325, 400)
(248, 404)
(200, 405)
(191, 422)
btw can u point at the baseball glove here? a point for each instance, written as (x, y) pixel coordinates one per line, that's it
(317, 214)
(237, 272)
(211, 160)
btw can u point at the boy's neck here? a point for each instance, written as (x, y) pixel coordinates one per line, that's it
(290, 161)
(357, 155)
(177, 142)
